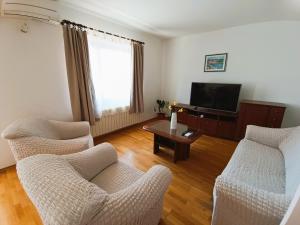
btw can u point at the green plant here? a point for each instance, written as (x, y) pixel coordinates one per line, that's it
(161, 105)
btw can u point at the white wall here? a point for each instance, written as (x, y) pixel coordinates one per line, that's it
(33, 79)
(264, 57)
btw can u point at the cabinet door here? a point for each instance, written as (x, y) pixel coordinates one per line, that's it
(251, 114)
(208, 126)
(193, 122)
(182, 117)
(275, 117)
(226, 129)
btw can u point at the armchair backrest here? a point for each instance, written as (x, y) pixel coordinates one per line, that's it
(59, 192)
(33, 136)
(30, 127)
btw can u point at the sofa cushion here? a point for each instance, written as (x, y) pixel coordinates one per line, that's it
(92, 161)
(117, 177)
(257, 165)
(290, 148)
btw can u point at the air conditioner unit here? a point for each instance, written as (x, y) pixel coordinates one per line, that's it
(45, 10)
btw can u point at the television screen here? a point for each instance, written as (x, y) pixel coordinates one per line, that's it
(215, 96)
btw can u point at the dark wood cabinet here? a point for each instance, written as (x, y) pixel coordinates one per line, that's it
(232, 125)
(182, 117)
(208, 126)
(226, 129)
(265, 114)
(210, 122)
(193, 121)
(275, 117)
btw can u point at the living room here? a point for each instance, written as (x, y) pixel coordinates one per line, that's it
(257, 45)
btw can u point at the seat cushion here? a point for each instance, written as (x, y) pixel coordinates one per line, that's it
(257, 165)
(290, 148)
(117, 177)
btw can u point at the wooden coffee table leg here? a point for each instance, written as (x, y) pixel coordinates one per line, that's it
(181, 152)
(187, 151)
(155, 144)
(176, 152)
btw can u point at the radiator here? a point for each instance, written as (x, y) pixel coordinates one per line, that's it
(110, 123)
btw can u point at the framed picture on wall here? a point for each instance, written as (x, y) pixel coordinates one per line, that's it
(215, 62)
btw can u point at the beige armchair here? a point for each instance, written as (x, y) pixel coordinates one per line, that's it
(28, 137)
(93, 188)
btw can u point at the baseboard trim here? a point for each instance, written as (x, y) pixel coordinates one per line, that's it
(2, 170)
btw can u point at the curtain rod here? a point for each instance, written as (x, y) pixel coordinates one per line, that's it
(67, 22)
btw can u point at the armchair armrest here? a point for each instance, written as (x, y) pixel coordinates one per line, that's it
(133, 203)
(237, 202)
(267, 136)
(92, 161)
(70, 130)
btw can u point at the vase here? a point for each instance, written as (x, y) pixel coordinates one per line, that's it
(173, 124)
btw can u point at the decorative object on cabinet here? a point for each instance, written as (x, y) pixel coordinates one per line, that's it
(162, 105)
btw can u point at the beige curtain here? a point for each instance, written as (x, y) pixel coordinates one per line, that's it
(81, 88)
(137, 98)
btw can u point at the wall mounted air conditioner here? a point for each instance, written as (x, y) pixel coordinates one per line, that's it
(45, 10)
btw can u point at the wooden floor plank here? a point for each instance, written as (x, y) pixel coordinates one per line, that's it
(188, 200)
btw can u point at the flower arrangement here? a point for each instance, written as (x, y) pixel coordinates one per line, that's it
(174, 108)
(164, 109)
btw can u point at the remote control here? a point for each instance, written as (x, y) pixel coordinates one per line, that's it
(188, 134)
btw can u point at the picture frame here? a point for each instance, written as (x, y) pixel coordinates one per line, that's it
(215, 62)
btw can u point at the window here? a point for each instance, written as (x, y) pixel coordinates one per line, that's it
(111, 71)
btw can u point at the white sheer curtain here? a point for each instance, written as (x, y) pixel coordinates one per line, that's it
(111, 69)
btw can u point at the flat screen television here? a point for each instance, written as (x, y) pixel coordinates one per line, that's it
(215, 96)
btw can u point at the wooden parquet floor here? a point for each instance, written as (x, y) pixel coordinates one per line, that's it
(188, 200)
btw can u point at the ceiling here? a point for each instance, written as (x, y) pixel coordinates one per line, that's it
(172, 18)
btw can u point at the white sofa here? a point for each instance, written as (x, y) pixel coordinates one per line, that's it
(260, 180)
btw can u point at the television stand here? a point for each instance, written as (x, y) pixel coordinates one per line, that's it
(211, 122)
(232, 125)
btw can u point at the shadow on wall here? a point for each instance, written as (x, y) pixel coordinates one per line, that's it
(247, 91)
(291, 116)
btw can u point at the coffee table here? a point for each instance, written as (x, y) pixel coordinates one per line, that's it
(172, 139)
